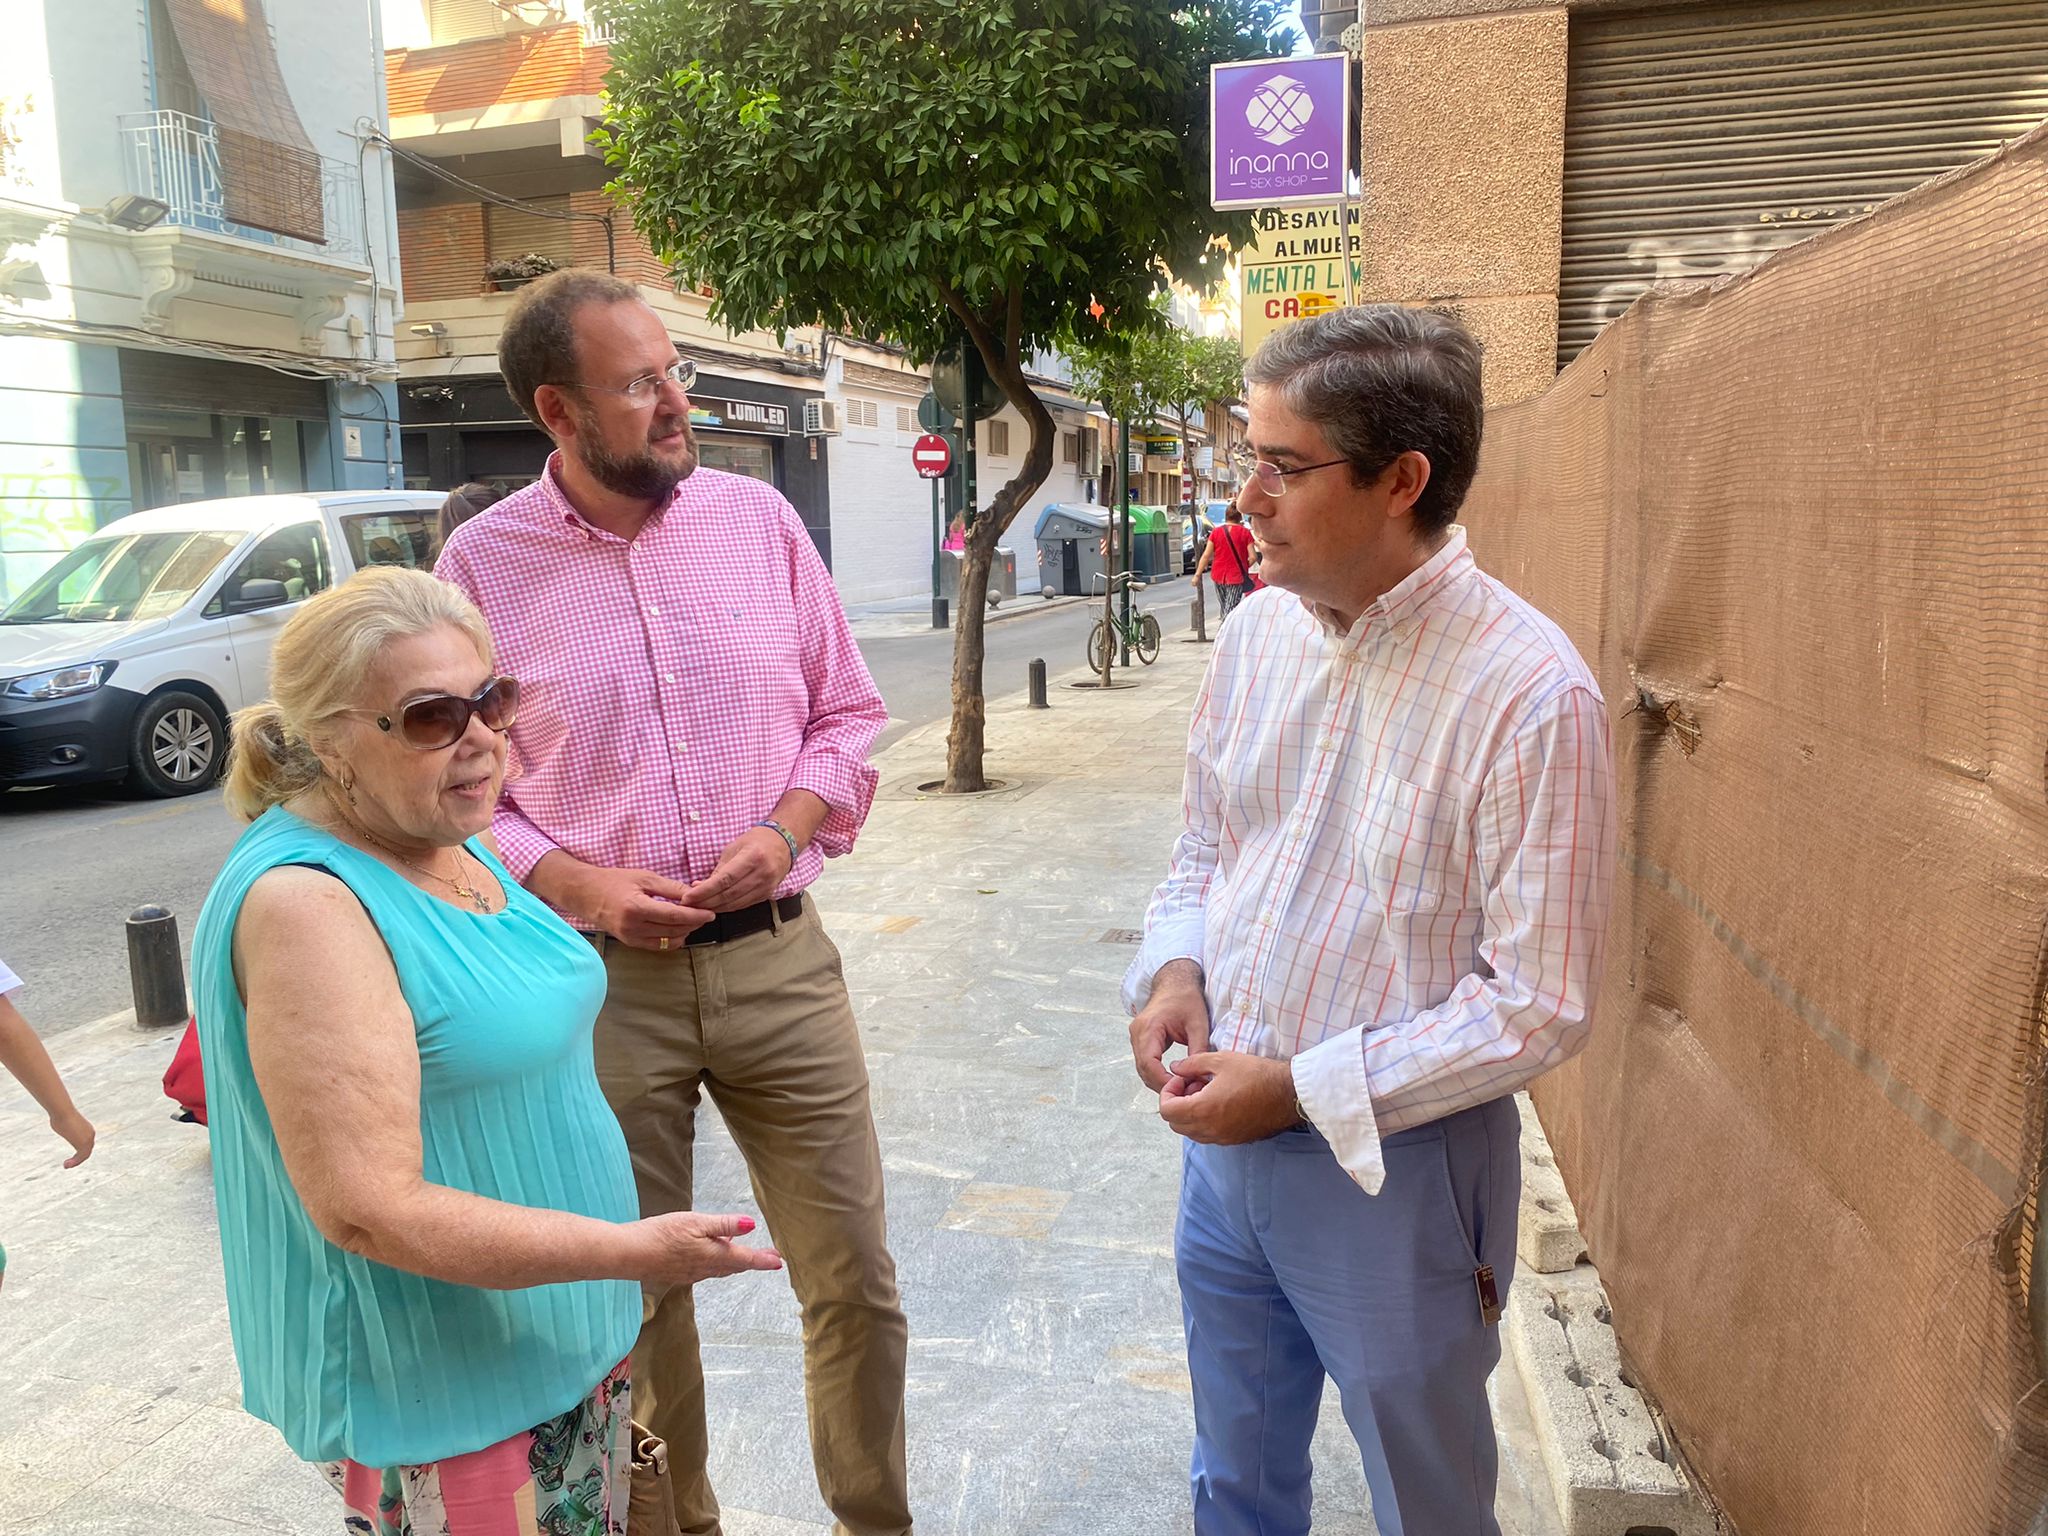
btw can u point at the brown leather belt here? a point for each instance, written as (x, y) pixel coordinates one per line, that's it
(728, 926)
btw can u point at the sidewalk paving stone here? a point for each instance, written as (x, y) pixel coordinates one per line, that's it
(1031, 1198)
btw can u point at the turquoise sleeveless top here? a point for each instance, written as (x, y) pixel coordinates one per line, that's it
(350, 1358)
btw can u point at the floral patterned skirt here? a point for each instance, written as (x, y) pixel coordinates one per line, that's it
(571, 1476)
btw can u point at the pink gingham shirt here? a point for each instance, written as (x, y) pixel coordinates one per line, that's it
(1397, 854)
(673, 687)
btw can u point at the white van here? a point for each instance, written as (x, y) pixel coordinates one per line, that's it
(125, 658)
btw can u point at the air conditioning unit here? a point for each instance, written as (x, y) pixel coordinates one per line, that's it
(821, 418)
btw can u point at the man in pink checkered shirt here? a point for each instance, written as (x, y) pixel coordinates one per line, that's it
(692, 745)
(1385, 914)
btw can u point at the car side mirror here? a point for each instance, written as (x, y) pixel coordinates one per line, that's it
(258, 592)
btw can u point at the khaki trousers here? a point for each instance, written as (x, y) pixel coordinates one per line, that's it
(765, 1025)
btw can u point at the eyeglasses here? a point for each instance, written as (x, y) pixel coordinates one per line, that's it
(1271, 478)
(439, 720)
(643, 391)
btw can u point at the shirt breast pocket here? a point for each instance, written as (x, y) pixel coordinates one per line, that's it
(1405, 847)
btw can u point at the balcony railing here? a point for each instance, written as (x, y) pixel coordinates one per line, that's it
(175, 158)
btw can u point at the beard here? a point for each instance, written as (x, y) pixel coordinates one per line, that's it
(644, 475)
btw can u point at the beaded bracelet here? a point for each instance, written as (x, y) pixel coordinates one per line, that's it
(786, 835)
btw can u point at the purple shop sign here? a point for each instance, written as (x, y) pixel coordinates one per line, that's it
(1278, 131)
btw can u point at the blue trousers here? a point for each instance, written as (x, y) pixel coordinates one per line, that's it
(1289, 1272)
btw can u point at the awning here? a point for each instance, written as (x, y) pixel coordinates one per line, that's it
(270, 174)
(1062, 402)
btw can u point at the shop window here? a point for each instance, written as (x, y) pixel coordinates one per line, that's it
(752, 457)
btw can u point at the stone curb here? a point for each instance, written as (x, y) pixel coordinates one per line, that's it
(1612, 1470)
(1547, 1240)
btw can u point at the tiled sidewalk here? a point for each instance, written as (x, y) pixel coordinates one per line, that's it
(1031, 1192)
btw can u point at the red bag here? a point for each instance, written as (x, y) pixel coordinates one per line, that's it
(184, 1080)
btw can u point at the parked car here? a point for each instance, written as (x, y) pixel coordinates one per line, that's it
(125, 658)
(1197, 518)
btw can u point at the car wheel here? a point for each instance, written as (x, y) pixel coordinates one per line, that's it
(178, 745)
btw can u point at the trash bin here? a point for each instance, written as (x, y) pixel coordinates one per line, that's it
(1002, 575)
(1069, 539)
(1152, 555)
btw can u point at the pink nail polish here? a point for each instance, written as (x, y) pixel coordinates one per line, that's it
(746, 1224)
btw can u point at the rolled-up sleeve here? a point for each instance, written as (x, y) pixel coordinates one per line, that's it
(1545, 837)
(520, 843)
(847, 712)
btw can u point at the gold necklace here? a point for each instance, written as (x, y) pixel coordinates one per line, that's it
(467, 892)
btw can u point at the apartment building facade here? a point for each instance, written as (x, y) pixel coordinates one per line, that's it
(490, 111)
(198, 262)
(491, 107)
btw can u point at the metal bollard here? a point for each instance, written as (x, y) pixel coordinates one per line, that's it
(1036, 673)
(940, 618)
(156, 972)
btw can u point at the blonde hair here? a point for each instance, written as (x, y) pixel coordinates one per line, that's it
(317, 670)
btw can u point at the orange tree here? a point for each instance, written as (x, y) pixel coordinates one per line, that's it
(921, 169)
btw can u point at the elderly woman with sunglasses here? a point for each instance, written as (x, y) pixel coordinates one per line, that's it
(428, 1223)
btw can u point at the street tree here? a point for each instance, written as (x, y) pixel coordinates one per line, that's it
(921, 169)
(1126, 373)
(1196, 373)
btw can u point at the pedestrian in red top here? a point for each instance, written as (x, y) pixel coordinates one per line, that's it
(1227, 557)
(692, 745)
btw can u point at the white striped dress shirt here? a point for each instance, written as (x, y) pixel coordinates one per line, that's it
(1397, 851)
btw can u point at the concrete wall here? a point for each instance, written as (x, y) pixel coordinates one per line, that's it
(881, 510)
(1463, 170)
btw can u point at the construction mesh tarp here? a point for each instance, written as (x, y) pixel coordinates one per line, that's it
(1799, 521)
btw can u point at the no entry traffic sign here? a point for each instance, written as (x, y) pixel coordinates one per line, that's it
(932, 456)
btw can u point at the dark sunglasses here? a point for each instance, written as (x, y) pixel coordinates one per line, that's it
(439, 720)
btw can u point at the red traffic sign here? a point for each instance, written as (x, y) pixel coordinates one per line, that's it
(931, 455)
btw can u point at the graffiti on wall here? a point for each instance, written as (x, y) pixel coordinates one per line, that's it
(45, 513)
(1721, 253)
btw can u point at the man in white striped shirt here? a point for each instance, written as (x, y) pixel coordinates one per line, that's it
(1385, 914)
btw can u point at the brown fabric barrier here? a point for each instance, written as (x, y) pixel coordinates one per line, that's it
(1801, 520)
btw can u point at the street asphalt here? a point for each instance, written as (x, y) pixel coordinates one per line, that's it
(74, 863)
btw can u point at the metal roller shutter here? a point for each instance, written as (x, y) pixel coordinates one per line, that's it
(169, 381)
(1700, 139)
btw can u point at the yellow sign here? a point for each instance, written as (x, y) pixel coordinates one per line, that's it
(1293, 271)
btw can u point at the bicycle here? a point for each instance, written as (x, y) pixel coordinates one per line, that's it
(1140, 633)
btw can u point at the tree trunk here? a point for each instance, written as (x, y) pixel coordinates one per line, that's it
(964, 742)
(999, 342)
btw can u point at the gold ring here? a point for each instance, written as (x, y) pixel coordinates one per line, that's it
(664, 941)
